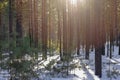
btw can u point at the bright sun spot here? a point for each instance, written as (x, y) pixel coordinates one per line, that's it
(74, 2)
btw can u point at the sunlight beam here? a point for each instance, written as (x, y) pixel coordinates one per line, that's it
(74, 2)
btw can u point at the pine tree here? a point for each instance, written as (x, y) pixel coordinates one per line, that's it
(44, 29)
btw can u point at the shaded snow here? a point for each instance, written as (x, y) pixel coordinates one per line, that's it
(87, 73)
(87, 70)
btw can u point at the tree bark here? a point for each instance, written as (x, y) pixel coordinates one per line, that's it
(44, 29)
(59, 29)
(98, 61)
(98, 44)
(103, 50)
(11, 18)
(19, 22)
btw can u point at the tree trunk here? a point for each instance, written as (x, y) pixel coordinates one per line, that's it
(87, 53)
(64, 30)
(36, 23)
(98, 64)
(107, 49)
(87, 12)
(44, 29)
(111, 44)
(98, 42)
(11, 18)
(30, 23)
(59, 29)
(103, 50)
(19, 22)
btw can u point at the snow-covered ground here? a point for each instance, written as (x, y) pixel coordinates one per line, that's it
(110, 68)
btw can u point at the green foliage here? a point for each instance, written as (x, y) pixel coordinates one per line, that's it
(53, 46)
(21, 59)
(4, 45)
(23, 69)
(3, 3)
(66, 66)
(50, 65)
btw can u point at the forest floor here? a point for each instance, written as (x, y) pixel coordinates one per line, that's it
(110, 68)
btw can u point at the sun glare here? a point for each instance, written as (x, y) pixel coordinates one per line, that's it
(74, 2)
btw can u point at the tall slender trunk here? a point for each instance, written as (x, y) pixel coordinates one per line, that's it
(0, 26)
(59, 29)
(103, 50)
(31, 22)
(98, 62)
(103, 28)
(19, 22)
(87, 32)
(36, 23)
(98, 65)
(119, 49)
(10, 18)
(79, 19)
(11, 7)
(44, 29)
(64, 30)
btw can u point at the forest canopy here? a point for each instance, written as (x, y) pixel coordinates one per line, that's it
(40, 27)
